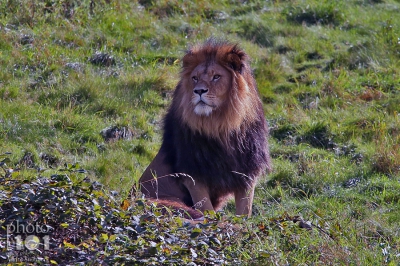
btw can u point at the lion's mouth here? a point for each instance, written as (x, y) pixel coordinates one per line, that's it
(203, 108)
(201, 102)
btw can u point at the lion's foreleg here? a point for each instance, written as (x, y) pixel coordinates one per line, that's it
(244, 201)
(199, 193)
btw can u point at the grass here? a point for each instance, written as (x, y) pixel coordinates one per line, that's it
(327, 72)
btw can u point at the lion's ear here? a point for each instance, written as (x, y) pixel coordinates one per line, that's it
(188, 59)
(235, 60)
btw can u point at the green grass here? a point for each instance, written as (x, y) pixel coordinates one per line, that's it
(328, 73)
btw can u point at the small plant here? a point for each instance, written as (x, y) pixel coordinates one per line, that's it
(387, 157)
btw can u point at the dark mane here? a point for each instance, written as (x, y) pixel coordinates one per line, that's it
(209, 161)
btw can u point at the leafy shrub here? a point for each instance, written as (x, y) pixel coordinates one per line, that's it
(84, 223)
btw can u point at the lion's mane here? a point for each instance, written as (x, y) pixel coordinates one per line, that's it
(228, 149)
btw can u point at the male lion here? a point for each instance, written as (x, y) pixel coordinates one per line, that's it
(215, 135)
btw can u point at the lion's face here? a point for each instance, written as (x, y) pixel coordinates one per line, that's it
(209, 90)
(217, 94)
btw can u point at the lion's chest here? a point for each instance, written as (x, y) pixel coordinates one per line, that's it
(208, 160)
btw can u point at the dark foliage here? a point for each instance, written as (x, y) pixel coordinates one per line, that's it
(102, 59)
(114, 133)
(76, 221)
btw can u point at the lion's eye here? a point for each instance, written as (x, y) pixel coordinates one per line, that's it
(195, 79)
(216, 77)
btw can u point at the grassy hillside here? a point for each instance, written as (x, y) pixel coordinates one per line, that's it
(83, 88)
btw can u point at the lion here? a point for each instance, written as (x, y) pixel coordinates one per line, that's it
(215, 136)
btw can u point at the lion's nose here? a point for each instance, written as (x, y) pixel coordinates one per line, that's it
(200, 91)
